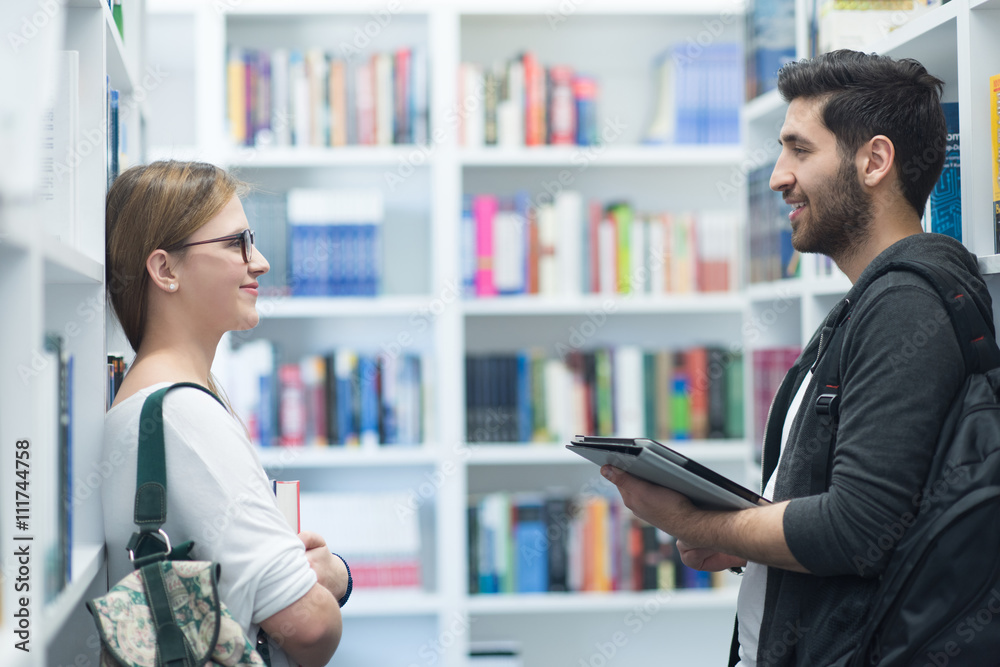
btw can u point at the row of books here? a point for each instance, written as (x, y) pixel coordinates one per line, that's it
(375, 532)
(522, 245)
(700, 95)
(769, 232)
(115, 375)
(341, 398)
(694, 393)
(536, 543)
(849, 24)
(769, 368)
(291, 97)
(521, 102)
(48, 481)
(334, 242)
(770, 43)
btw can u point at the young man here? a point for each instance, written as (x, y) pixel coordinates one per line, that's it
(862, 146)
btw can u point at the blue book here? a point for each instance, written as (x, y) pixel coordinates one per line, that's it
(946, 198)
(369, 415)
(525, 419)
(531, 546)
(346, 362)
(468, 241)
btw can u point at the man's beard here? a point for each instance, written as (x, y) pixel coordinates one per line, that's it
(840, 217)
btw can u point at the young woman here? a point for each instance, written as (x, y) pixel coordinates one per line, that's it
(181, 271)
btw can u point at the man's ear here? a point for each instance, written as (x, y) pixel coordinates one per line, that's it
(162, 275)
(876, 160)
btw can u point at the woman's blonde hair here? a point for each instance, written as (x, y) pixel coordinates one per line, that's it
(151, 206)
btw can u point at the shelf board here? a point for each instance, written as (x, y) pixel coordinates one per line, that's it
(534, 453)
(375, 603)
(984, 4)
(764, 106)
(829, 285)
(776, 289)
(928, 37)
(640, 7)
(561, 603)
(989, 265)
(627, 304)
(10, 656)
(64, 264)
(308, 307)
(578, 157)
(251, 157)
(338, 456)
(87, 561)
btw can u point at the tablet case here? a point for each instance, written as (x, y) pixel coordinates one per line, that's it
(659, 464)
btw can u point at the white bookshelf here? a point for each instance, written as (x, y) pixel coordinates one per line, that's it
(438, 623)
(654, 177)
(56, 285)
(955, 42)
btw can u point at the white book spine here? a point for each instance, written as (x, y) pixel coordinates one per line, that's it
(384, 100)
(548, 249)
(629, 404)
(281, 120)
(569, 211)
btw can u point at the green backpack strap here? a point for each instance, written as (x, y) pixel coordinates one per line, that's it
(150, 511)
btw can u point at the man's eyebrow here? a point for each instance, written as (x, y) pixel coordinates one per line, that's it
(792, 138)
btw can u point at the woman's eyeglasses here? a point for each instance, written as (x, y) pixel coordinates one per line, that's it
(246, 243)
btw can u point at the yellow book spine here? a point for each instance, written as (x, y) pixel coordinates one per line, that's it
(236, 97)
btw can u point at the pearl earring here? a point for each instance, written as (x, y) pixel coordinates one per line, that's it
(173, 286)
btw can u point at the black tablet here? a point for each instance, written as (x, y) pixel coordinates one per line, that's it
(659, 464)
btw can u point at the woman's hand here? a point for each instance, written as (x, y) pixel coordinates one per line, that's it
(330, 570)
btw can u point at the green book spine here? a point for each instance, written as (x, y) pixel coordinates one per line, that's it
(734, 396)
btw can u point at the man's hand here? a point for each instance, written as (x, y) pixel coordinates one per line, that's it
(708, 560)
(330, 570)
(664, 508)
(756, 534)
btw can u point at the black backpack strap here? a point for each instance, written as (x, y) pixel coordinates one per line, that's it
(826, 372)
(150, 510)
(976, 337)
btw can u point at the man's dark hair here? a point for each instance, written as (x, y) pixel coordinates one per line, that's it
(867, 95)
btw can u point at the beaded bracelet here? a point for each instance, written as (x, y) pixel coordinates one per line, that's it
(350, 582)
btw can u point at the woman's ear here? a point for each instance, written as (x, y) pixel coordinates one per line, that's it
(161, 273)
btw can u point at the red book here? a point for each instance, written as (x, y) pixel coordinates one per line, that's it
(292, 405)
(562, 107)
(594, 263)
(401, 82)
(534, 100)
(697, 367)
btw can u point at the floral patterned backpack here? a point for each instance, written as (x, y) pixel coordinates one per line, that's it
(167, 612)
